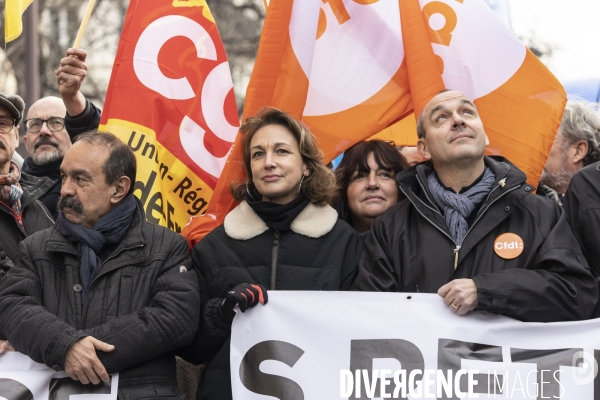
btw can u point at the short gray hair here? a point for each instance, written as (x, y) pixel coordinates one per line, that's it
(581, 121)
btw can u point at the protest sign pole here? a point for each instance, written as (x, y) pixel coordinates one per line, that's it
(84, 23)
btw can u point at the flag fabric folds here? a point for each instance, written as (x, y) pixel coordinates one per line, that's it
(13, 24)
(352, 68)
(170, 98)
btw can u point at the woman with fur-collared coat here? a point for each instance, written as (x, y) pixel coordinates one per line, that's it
(282, 236)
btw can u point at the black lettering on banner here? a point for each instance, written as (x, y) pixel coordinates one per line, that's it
(152, 148)
(13, 390)
(139, 143)
(186, 183)
(172, 225)
(548, 362)
(155, 204)
(450, 356)
(258, 382)
(191, 197)
(62, 388)
(363, 352)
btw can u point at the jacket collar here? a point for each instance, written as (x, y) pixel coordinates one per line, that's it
(242, 223)
(35, 186)
(507, 177)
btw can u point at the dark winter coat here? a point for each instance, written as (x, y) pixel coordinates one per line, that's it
(319, 253)
(144, 300)
(34, 216)
(410, 250)
(582, 208)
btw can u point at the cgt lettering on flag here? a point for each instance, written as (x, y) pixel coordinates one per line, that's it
(171, 100)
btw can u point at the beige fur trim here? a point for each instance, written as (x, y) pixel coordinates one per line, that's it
(242, 223)
(315, 221)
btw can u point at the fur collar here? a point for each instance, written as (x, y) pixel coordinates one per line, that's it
(242, 223)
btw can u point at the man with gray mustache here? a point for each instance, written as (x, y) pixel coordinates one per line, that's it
(47, 141)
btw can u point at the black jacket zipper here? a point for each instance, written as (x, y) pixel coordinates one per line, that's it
(274, 253)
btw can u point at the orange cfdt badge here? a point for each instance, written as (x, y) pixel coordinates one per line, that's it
(508, 246)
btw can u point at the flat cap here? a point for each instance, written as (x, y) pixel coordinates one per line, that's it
(14, 104)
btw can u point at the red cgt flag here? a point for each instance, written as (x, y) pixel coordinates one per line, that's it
(352, 68)
(170, 98)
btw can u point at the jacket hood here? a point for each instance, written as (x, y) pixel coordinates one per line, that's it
(242, 223)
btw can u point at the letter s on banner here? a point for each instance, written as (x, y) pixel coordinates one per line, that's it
(14, 390)
(145, 58)
(271, 385)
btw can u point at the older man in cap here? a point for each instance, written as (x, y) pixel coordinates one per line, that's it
(21, 213)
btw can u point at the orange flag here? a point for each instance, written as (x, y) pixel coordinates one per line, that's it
(352, 68)
(170, 98)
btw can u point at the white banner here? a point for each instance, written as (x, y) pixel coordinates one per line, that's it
(356, 345)
(23, 379)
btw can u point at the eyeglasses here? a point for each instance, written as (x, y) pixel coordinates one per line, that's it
(6, 125)
(55, 124)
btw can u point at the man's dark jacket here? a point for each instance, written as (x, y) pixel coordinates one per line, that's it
(34, 216)
(410, 249)
(144, 300)
(582, 208)
(320, 252)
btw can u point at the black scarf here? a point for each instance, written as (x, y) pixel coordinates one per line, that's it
(51, 170)
(278, 216)
(109, 229)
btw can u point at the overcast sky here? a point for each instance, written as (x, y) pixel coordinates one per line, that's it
(572, 27)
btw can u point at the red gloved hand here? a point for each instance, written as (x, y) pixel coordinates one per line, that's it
(245, 295)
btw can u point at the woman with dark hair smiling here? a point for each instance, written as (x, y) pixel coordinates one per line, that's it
(366, 179)
(282, 236)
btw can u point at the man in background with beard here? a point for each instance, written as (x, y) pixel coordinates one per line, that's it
(575, 146)
(46, 141)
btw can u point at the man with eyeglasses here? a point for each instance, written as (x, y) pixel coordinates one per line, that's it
(21, 213)
(46, 141)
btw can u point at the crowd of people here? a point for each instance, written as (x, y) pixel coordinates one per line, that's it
(94, 289)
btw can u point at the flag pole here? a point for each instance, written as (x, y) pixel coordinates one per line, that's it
(84, 23)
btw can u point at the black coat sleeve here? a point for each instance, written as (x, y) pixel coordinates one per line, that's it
(88, 120)
(168, 322)
(213, 330)
(376, 272)
(558, 286)
(29, 326)
(582, 208)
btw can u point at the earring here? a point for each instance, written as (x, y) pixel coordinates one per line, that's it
(301, 180)
(248, 191)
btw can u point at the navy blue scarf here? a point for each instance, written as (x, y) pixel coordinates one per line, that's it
(109, 229)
